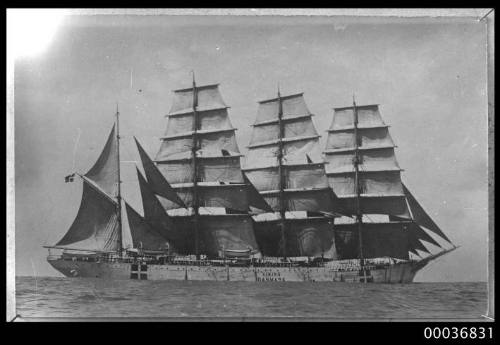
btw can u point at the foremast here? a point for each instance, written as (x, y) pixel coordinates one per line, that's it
(363, 171)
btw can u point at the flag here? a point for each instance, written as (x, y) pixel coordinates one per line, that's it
(69, 178)
(309, 160)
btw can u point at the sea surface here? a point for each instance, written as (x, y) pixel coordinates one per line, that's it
(84, 297)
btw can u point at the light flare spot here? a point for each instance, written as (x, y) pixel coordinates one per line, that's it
(30, 31)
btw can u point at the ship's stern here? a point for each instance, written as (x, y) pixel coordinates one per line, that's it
(66, 267)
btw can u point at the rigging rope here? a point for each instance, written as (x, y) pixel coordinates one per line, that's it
(74, 148)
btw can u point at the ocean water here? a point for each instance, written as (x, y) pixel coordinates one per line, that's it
(84, 297)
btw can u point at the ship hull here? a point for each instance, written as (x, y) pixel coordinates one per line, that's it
(393, 273)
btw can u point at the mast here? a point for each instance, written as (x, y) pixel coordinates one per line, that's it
(119, 196)
(283, 165)
(195, 171)
(282, 181)
(359, 216)
(198, 120)
(359, 137)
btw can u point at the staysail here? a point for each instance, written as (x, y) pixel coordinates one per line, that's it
(200, 159)
(393, 239)
(156, 180)
(254, 198)
(145, 236)
(284, 164)
(421, 217)
(155, 214)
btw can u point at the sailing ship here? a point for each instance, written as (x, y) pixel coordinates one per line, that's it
(293, 213)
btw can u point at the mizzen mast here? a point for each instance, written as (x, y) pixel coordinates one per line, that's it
(119, 182)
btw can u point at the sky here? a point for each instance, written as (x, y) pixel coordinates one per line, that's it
(429, 78)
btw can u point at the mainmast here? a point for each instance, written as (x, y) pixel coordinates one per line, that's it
(283, 164)
(195, 171)
(118, 197)
(282, 180)
(357, 187)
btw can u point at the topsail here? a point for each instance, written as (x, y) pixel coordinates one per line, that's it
(380, 180)
(284, 163)
(306, 186)
(200, 159)
(367, 143)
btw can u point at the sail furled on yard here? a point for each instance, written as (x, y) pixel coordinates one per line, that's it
(104, 173)
(379, 172)
(144, 235)
(306, 185)
(95, 227)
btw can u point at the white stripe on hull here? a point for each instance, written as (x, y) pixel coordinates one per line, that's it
(396, 273)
